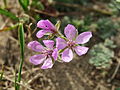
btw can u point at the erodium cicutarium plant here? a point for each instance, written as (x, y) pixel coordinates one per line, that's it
(64, 47)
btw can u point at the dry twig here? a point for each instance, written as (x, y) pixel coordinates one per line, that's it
(6, 77)
(116, 70)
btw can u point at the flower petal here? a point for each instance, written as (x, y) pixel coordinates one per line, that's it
(55, 54)
(36, 46)
(47, 64)
(80, 50)
(83, 37)
(41, 33)
(45, 24)
(67, 55)
(37, 59)
(70, 32)
(48, 43)
(60, 43)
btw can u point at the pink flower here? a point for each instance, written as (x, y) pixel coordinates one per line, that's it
(47, 54)
(46, 26)
(71, 44)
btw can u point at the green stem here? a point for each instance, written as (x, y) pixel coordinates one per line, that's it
(9, 28)
(15, 84)
(21, 39)
(1, 73)
(61, 36)
(19, 74)
(5, 3)
(60, 51)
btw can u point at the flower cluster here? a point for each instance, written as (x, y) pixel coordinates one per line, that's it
(64, 48)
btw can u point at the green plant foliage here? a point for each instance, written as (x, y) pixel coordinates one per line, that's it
(64, 8)
(101, 55)
(24, 18)
(37, 4)
(85, 23)
(24, 4)
(65, 1)
(21, 38)
(83, 2)
(114, 7)
(5, 3)
(68, 9)
(117, 88)
(118, 1)
(9, 14)
(109, 43)
(106, 28)
(82, 25)
(22, 44)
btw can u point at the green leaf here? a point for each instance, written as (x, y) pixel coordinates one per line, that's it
(24, 4)
(117, 88)
(37, 4)
(101, 56)
(22, 43)
(118, 1)
(8, 14)
(106, 28)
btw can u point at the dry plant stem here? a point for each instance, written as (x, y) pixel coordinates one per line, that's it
(4, 24)
(30, 71)
(9, 28)
(25, 72)
(73, 13)
(34, 78)
(33, 20)
(84, 8)
(113, 87)
(116, 70)
(25, 86)
(29, 30)
(46, 13)
(34, 30)
(13, 39)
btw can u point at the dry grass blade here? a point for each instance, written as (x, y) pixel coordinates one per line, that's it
(9, 79)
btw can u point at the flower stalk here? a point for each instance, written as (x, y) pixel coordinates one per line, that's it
(22, 42)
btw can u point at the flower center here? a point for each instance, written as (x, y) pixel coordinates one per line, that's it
(71, 43)
(48, 52)
(53, 31)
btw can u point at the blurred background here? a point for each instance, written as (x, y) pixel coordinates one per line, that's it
(99, 69)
